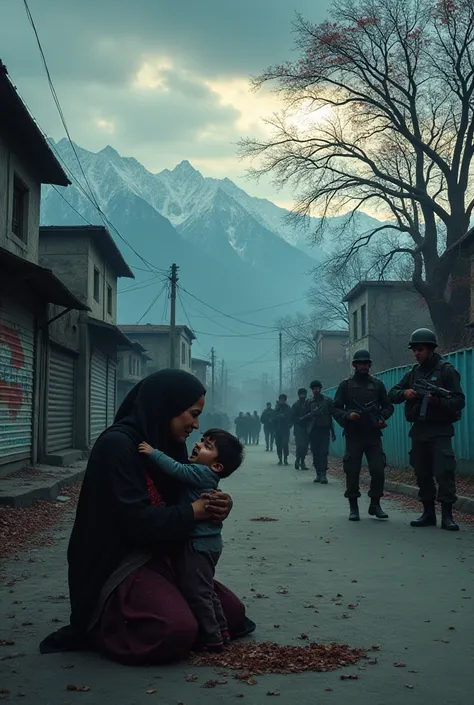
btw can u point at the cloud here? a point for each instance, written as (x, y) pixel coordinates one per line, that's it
(160, 81)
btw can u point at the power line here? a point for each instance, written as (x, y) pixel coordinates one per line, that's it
(92, 198)
(70, 205)
(226, 315)
(257, 359)
(188, 320)
(141, 285)
(267, 308)
(152, 303)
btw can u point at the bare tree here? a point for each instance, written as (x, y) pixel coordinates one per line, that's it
(298, 344)
(387, 91)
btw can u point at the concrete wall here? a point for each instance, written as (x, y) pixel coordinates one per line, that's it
(393, 313)
(158, 348)
(68, 258)
(11, 165)
(107, 277)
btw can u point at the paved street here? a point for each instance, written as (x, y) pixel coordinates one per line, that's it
(412, 592)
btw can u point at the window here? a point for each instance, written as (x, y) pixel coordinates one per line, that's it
(355, 330)
(183, 353)
(96, 284)
(363, 320)
(19, 209)
(109, 300)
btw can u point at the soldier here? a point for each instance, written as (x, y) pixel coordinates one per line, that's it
(300, 430)
(432, 415)
(361, 406)
(282, 423)
(267, 423)
(320, 427)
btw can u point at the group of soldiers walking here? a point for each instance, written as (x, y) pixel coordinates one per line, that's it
(434, 400)
(248, 428)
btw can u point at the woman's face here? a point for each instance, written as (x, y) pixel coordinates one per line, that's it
(183, 425)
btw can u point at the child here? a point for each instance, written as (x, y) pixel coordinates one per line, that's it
(218, 455)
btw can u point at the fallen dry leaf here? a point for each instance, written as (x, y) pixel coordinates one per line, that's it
(273, 692)
(399, 665)
(190, 678)
(328, 690)
(261, 596)
(239, 695)
(351, 607)
(410, 687)
(303, 636)
(6, 657)
(251, 681)
(349, 677)
(150, 692)
(263, 519)
(373, 662)
(375, 647)
(68, 665)
(79, 688)
(412, 671)
(282, 591)
(276, 626)
(209, 684)
(7, 642)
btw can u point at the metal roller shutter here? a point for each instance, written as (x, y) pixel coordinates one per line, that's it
(98, 394)
(17, 349)
(111, 391)
(60, 411)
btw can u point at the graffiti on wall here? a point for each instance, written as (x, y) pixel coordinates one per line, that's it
(16, 378)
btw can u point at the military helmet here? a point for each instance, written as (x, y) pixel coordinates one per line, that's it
(316, 383)
(302, 390)
(423, 336)
(361, 356)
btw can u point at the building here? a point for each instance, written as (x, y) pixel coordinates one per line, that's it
(83, 348)
(26, 289)
(156, 341)
(132, 368)
(332, 357)
(382, 315)
(199, 369)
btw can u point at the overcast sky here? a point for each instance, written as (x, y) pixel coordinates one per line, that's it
(160, 80)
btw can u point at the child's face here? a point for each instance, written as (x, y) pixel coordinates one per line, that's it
(205, 453)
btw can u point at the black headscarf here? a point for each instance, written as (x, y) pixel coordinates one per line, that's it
(149, 407)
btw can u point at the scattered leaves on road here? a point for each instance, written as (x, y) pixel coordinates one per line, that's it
(269, 657)
(349, 677)
(7, 642)
(263, 519)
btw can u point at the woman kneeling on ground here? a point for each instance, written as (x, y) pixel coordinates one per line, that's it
(125, 602)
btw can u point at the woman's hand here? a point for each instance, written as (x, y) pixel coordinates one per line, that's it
(218, 504)
(200, 510)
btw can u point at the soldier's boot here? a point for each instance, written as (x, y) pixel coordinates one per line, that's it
(375, 510)
(428, 518)
(279, 459)
(285, 462)
(297, 464)
(303, 465)
(318, 476)
(447, 521)
(354, 510)
(324, 478)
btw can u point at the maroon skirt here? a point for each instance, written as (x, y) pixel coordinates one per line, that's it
(146, 620)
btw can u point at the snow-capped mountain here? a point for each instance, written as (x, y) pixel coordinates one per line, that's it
(238, 253)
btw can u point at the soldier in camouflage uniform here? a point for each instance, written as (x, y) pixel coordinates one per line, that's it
(432, 456)
(320, 429)
(361, 406)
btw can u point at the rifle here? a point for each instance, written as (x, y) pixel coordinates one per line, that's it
(311, 414)
(424, 389)
(372, 410)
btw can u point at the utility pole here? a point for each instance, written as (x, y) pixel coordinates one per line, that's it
(174, 281)
(222, 384)
(281, 361)
(213, 378)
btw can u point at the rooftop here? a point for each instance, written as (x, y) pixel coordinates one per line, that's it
(200, 361)
(370, 284)
(331, 333)
(151, 329)
(42, 281)
(102, 238)
(29, 140)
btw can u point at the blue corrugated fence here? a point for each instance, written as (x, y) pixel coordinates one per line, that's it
(395, 437)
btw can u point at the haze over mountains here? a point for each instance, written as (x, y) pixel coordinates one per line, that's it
(238, 253)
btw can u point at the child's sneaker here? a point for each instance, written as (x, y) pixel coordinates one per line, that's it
(214, 647)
